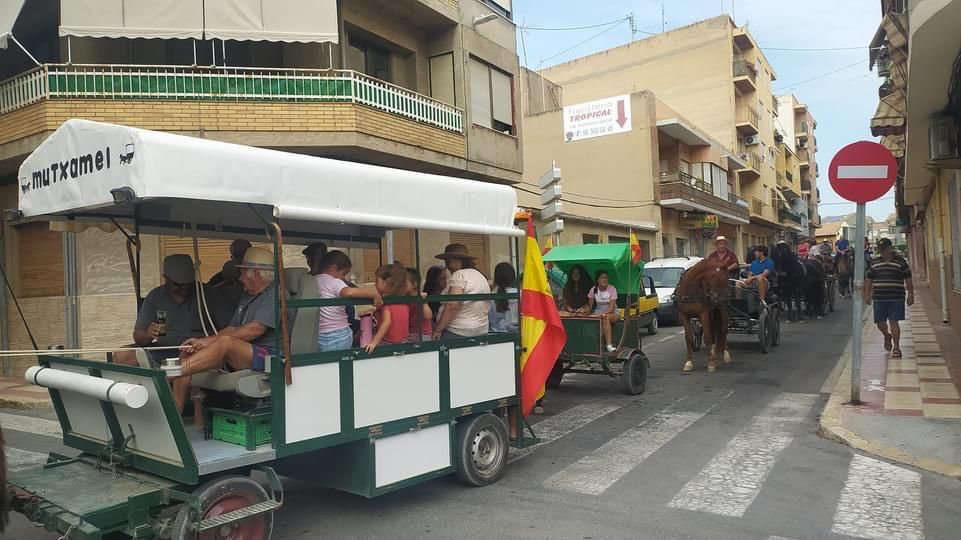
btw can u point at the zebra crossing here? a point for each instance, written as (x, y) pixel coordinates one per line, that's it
(877, 500)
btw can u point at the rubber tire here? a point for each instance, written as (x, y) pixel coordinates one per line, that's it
(652, 328)
(555, 377)
(213, 490)
(764, 332)
(634, 374)
(776, 331)
(698, 337)
(468, 429)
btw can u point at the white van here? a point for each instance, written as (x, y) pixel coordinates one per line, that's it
(666, 273)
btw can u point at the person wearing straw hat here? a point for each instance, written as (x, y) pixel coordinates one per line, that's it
(248, 339)
(463, 319)
(169, 314)
(723, 254)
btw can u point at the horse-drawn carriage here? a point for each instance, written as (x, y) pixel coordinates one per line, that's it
(365, 423)
(747, 315)
(585, 351)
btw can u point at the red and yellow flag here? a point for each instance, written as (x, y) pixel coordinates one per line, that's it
(542, 334)
(636, 253)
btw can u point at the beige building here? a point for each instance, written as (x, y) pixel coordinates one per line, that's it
(656, 177)
(425, 85)
(729, 100)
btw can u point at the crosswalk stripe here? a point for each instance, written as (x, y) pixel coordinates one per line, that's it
(732, 480)
(566, 422)
(29, 424)
(879, 500)
(595, 473)
(21, 459)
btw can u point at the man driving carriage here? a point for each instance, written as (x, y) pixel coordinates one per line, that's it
(249, 338)
(760, 275)
(724, 255)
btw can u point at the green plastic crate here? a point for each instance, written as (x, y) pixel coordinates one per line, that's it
(246, 428)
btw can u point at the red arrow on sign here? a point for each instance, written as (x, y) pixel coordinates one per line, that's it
(863, 171)
(621, 116)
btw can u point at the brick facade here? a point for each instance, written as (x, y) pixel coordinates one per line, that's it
(220, 116)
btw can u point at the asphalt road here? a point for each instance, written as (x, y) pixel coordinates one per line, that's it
(727, 455)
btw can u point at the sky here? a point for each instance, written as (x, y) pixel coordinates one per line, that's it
(842, 102)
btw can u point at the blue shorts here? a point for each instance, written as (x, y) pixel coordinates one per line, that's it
(338, 340)
(259, 357)
(888, 310)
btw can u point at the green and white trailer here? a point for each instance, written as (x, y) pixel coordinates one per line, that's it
(363, 423)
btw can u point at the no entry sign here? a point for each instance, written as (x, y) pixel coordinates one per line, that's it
(863, 171)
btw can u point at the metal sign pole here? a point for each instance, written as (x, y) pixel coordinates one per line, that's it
(857, 319)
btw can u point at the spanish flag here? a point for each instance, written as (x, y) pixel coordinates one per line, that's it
(636, 253)
(542, 334)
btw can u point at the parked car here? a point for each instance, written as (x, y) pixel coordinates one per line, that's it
(666, 273)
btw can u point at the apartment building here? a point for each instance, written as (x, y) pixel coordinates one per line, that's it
(795, 132)
(715, 75)
(425, 85)
(923, 133)
(655, 173)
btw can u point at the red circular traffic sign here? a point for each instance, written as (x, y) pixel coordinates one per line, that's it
(863, 171)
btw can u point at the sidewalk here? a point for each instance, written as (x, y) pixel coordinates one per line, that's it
(911, 406)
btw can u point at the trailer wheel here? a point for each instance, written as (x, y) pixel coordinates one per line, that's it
(482, 447)
(634, 374)
(218, 497)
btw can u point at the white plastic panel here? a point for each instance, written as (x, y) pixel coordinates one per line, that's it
(411, 454)
(396, 387)
(479, 374)
(84, 413)
(312, 403)
(154, 436)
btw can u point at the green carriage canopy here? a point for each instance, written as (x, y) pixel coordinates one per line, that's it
(613, 258)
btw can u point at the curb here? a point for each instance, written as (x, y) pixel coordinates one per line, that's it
(24, 403)
(830, 427)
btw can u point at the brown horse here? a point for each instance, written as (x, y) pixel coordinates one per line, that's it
(702, 293)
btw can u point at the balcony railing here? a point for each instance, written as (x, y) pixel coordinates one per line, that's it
(787, 215)
(737, 200)
(748, 115)
(687, 179)
(803, 156)
(752, 158)
(743, 68)
(110, 82)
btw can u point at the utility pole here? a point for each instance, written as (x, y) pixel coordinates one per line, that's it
(633, 25)
(663, 20)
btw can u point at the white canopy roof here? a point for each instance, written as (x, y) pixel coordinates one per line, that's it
(258, 20)
(9, 11)
(178, 179)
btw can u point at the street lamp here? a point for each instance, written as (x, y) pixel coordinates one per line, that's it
(484, 19)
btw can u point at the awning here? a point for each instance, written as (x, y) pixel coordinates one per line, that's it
(894, 143)
(252, 20)
(782, 198)
(272, 20)
(889, 119)
(165, 19)
(9, 10)
(788, 192)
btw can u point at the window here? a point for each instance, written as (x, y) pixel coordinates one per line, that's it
(442, 78)
(612, 239)
(666, 245)
(41, 260)
(681, 247)
(645, 250)
(368, 58)
(492, 97)
(503, 7)
(954, 201)
(590, 239)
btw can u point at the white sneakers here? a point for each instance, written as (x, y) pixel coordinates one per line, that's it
(611, 348)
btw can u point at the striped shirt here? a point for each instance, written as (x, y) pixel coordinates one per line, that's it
(887, 278)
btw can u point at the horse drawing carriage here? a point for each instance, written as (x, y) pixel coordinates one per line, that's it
(748, 316)
(585, 351)
(367, 423)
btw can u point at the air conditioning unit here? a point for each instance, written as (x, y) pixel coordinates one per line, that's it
(943, 138)
(752, 140)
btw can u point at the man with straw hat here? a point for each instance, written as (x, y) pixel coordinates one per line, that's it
(249, 338)
(463, 319)
(724, 255)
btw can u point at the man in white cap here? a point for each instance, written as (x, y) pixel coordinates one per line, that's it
(248, 339)
(169, 313)
(725, 255)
